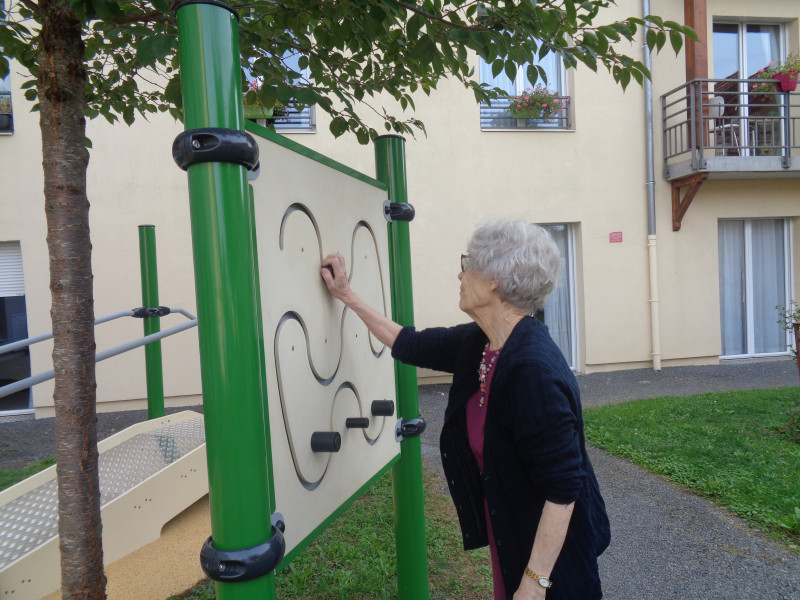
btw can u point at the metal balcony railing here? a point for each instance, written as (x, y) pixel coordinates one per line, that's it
(497, 116)
(730, 126)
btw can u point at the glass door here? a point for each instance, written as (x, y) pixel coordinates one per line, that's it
(559, 312)
(754, 281)
(741, 51)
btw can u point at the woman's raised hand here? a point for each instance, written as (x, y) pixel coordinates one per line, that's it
(335, 276)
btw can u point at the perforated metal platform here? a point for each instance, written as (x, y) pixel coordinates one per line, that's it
(135, 478)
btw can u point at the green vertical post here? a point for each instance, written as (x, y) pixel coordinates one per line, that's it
(412, 558)
(226, 287)
(152, 351)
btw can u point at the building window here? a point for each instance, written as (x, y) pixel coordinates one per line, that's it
(291, 119)
(498, 116)
(14, 365)
(753, 281)
(559, 312)
(6, 116)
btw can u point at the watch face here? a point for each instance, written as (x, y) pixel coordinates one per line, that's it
(544, 582)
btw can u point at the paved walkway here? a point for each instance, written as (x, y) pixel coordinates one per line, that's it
(667, 544)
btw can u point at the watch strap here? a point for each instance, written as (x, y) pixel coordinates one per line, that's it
(540, 579)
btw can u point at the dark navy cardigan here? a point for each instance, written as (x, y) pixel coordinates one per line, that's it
(534, 450)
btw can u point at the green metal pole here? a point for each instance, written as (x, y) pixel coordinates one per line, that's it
(152, 351)
(226, 287)
(412, 558)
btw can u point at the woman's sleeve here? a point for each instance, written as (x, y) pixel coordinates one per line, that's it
(545, 430)
(435, 348)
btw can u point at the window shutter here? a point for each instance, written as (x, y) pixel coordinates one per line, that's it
(11, 281)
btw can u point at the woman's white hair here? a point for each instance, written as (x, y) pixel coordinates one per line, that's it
(521, 257)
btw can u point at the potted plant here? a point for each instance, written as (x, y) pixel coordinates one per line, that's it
(537, 103)
(783, 76)
(786, 74)
(6, 120)
(254, 108)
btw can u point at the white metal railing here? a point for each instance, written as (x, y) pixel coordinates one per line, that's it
(22, 384)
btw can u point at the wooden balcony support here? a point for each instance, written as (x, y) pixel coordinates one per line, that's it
(692, 183)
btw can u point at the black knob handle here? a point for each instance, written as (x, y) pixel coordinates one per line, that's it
(383, 408)
(326, 441)
(357, 423)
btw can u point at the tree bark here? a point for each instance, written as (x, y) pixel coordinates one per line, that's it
(62, 80)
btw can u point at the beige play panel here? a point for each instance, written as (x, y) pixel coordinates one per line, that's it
(323, 366)
(149, 473)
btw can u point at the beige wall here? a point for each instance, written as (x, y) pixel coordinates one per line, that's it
(592, 177)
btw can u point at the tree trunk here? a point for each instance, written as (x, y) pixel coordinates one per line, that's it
(61, 84)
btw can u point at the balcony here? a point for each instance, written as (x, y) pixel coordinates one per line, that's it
(724, 129)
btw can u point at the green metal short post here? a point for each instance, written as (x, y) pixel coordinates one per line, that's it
(226, 287)
(152, 351)
(412, 558)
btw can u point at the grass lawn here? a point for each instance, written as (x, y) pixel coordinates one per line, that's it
(733, 447)
(355, 559)
(9, 478)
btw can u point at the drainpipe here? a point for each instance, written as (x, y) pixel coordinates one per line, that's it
(655, 319)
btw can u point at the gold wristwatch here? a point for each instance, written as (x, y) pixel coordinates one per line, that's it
(542, 581)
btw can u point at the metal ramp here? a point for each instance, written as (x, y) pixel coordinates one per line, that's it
(149, 473)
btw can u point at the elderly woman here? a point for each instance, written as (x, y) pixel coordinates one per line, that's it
(512, 442)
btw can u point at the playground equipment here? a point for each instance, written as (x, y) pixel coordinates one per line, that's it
(279, 370)
(149, 473)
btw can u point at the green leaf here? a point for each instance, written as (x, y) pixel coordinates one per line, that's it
(511, 69)
(338, 126)
(676, 39)
(497, 67)
(154, 48)
(609, 32)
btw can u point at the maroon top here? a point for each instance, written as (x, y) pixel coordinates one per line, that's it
(476, 418)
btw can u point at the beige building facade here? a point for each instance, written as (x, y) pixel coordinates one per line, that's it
(635, 292)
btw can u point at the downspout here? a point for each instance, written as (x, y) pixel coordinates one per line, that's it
(652, 246)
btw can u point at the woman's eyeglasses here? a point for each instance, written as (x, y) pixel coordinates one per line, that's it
(464, 262)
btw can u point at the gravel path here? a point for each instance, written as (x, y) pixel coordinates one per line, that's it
(667, 544)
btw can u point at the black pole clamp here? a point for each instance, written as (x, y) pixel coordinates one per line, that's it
(243, 565)
(143, 313)
(215, 144)
(409, 428)
(398, 211)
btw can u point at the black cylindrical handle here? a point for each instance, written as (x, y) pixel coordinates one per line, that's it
(357, 423)
(383, 408)
(326, 441)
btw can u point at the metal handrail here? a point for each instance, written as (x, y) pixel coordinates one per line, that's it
(22, 384)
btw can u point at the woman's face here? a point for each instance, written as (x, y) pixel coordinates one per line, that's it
(477, 292)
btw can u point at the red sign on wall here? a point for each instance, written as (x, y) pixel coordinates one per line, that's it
(615, 237)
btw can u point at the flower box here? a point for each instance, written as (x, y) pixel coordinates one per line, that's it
(257, 112)
(526, 114)
(786, 81)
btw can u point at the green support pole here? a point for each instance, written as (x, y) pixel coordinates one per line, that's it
(412, 558)
(152, 351)
(226, 287)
